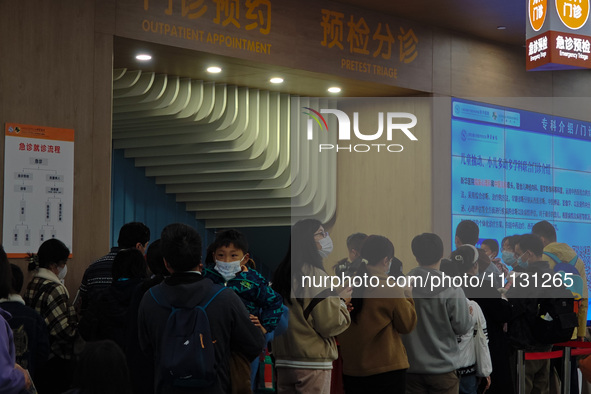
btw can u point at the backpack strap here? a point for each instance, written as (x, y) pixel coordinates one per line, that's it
(315, 301)
(214, 296)
(156, 294)
(553, 257)
(573, 262)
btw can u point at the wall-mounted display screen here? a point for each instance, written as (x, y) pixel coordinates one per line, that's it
(514, 168)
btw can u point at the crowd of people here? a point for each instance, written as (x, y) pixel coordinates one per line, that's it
(154, 317)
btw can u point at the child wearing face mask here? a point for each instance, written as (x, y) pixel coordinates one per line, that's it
(228, 263)
(49, 297)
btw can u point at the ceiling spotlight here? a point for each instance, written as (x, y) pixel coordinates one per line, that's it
(143, 57)
(276, 80)
(214, 70)
(501, 27)
(334, 89)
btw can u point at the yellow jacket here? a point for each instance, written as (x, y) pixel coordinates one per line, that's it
(565, 253)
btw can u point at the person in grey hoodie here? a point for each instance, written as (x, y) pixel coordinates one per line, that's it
(442, 315)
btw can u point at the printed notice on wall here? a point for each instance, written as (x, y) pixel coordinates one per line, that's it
(38, 187)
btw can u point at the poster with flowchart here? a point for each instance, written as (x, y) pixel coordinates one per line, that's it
(38, 187)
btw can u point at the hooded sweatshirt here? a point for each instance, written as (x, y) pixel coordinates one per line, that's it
(442, 315)
(231, 328)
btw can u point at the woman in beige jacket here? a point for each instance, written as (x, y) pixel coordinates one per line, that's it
(374, 358)
(305, 352)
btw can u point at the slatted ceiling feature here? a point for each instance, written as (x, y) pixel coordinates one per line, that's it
(152, 95)
(126, 79)
(237, 157)
(118, 74)
(230, 127)
(207, 102)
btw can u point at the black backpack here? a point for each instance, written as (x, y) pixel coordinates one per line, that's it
(187, 354)
(544, 318)
(556, 319)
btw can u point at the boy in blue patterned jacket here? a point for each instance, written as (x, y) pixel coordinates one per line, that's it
(228, 263)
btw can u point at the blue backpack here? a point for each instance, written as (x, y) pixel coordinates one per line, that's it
(187, 354)
(568, 267)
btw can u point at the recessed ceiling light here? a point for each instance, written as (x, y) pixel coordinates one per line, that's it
(276, 80)
(143, 57)
(214, 70)
(501, 27)
(334, 89)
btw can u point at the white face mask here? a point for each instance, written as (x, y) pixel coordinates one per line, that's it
(61, 273)
(326, 245)
(228, 270)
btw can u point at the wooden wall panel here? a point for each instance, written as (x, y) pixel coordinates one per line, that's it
(56, 73)
(385, 193)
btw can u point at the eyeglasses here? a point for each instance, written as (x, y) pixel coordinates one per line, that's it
(323, 234)
(518, 257)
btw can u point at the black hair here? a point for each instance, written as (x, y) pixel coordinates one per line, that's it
(396, 268)
(230, 237)
(52, 252)
(302, 251)
(129, 263)
(155, 260)
(544, 229)
(102, 368)
(510, 240)
(463, 259)
(374, 249)
(355, 241)
(17, 279)
(427, 248)
(132, 233)
(530, 242)
(181, 247)
(5, 275)
(483, 260)
(492, 244)
(467, 231)
(209, 260)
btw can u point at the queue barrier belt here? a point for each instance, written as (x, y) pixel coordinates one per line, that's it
(544, 355)
(579, 349)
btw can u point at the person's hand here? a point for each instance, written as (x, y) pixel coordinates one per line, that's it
(349, 307)
(487, 383)
(346, 294)
(257, 323)
(26, 374)
(581, 339)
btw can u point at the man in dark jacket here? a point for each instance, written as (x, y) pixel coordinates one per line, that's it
(231, 328)
(527, 296)
(97, 276)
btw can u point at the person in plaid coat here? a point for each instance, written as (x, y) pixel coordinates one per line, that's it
(48, 296)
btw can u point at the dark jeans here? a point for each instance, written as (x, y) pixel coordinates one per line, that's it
(387, 382)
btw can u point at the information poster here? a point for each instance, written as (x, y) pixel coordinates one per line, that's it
(38, 187)
(513, 168)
